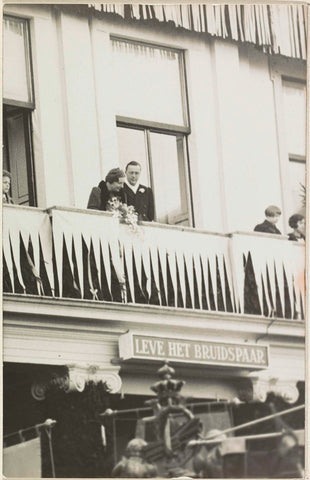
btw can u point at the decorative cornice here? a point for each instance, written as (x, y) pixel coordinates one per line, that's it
(256, 389)
(127, 314)
(74, 379)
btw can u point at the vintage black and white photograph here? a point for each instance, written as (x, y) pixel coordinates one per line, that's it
(154, 226)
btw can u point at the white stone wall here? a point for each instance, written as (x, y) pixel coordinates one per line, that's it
(233, 145)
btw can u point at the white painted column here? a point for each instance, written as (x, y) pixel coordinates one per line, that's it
(81, 106)
(49, 142)
(203, 147)
(247, 135)
(104, 93)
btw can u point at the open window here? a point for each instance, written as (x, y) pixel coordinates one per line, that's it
(294, 103)
(152, 121)
(18, 103)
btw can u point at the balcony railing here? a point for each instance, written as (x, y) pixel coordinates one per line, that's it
(71, 253)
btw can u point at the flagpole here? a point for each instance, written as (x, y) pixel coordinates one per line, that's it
(48, 429)
(203, 441)
(47, 422)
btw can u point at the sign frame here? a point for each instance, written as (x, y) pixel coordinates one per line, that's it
(127, 351)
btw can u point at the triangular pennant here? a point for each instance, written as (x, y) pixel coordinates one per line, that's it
(162, 255)
(7, 254)
(58, 246)
(127, 249)
(78, 249)
(96, 250)
(36, 250)
(105, 253)
(146, 261)
(190, 275)
(258, 271)
(15, 243)
(198, 274)
(180, 264)
(137, 251)
(278, 265)
(173, 273)
(222, 277)
(204, 265)
(212, 265)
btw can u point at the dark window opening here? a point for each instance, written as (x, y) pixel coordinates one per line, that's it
(17, 154)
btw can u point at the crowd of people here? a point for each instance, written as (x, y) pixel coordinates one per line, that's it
(125, 187)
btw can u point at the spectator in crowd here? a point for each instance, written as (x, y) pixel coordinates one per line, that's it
(137, 195)
(208, 462)
(272, 214)
(287, 459)
(297, 223)
(106, 190)
(6, 185)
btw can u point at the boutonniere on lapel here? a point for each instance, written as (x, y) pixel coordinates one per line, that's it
(141, 190)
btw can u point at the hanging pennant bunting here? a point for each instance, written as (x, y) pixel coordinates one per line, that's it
(198, 274)
(190, 275)
(7, 253)
(159, 14)
(275, 28)
(137, 252)
(96, 250)
(146, 262)
(171, 256)
(15, 244)
(222, 277)
(233, 21)
(181, 270)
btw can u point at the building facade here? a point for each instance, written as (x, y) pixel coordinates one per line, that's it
(211, 100)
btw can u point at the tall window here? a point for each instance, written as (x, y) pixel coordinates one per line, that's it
(152, 122)
(294, 101)
(18, 102)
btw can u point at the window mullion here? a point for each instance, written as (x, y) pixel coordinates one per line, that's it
(149, 162)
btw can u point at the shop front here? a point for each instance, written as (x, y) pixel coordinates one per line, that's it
(99, 383)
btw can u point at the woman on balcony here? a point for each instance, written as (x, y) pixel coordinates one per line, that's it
(297, 223)
(112, 187)
(6, 185)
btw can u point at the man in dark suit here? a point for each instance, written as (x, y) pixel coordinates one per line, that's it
(272, 214)
(137, 195)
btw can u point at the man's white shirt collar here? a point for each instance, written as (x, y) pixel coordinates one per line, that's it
(134, 188)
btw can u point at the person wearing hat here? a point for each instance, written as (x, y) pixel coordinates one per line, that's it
(272, 214)
(6, 185)
(297, 223)
(106, 190)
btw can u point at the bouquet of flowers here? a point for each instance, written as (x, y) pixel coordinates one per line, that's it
(125, 213)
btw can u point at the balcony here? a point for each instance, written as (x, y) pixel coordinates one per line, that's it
(70, 253)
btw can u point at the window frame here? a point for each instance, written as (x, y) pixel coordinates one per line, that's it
(29, 67)
(152, 129)
(293, 157)
(26, 109)
(26, 114)
(148, 126)
(283, 69)
(183, 84)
